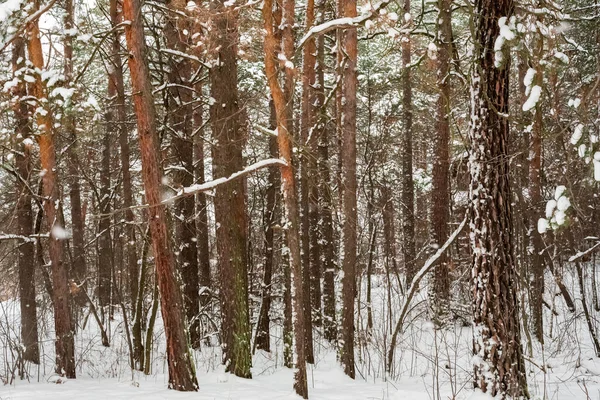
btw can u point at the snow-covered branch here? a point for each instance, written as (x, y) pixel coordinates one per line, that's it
(204, 187)
(581, 254)
(28, 20)
(341, 23)
(414, 286)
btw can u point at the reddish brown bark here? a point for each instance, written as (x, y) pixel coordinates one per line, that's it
(348, 154)
(181, 371)
(65, 348)
(287, 176)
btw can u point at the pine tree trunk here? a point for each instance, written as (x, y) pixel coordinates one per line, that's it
(181, 370)
(201, 206)
(307, 168)
(181, 113)
(440, 212)
(290, 198)
(408, 195)
(121, 118)
(26, 255)
(348, 154)
(65, 347)
(105, 255)
(326, 234)
(263, 335)
(79, 267)
(500, 370)
(230, 201)
(536, 206)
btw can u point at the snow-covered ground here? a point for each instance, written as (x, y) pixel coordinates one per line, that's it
(429, 363)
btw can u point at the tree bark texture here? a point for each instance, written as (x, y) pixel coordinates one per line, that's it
(182, 376)
(499, 368)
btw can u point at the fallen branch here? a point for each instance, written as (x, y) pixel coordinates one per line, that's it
(583, 253)
(414, 286)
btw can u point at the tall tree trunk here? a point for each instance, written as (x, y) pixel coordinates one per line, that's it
(440, 212)
(263, 336)
(327, 243)
(181, 112)
(201, 207)
(290, 198)
(348, 154)
(536, 206)
(79, 267)
(408, 195)
(65, 344)
(307, 168)
(230, 201)
(116, 75)
(181, 370)
(500, 370)
(26, 256)
(105, 255)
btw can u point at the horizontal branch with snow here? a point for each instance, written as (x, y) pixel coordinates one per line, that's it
(204, 187)
(341, 23)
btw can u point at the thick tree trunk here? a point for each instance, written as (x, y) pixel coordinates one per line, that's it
(348, 154)
(500, 369)
(181, 370)
(290, 197)
(440, 210)
(26, 255)
(65, 347)
(408, 195)
(230, 200)
(181, 113)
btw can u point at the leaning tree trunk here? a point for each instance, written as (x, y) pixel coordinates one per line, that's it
(65, 343)
(288, 184)
(26, 260)
(181, 370)
(230, 200)
(500, 368)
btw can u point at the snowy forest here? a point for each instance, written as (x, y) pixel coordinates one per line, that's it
(284, 199)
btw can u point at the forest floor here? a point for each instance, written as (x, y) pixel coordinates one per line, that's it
(429, 363)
